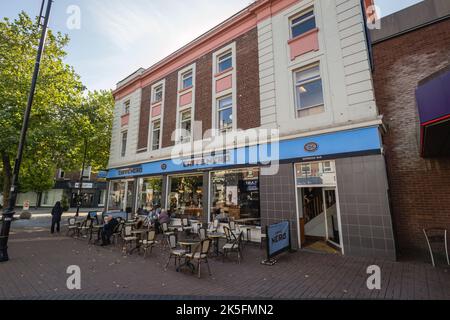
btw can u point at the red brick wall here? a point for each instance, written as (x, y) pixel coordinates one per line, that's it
(248, 99)
(203, 91)
(420, 188)
(144, 118)
(170, 109)
(247, 73)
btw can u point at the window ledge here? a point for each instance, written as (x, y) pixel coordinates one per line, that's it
(223, 72)
(154, 104)
(186, 89)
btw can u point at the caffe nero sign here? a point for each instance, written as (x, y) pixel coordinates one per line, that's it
(130, 171)
(278, 238)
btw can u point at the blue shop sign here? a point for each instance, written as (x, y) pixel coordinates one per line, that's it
(313, 148)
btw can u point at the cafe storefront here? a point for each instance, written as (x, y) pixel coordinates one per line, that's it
(334, 170)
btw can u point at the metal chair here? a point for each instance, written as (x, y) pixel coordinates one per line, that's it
(175, 252)
(127, 238)
(436, 235)
(202, 234)
(117, 233)
(72, 227)
(149, 243)
(234, 246)
(166, 232)
(200, 254)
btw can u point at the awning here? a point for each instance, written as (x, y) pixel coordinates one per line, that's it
(433, 100)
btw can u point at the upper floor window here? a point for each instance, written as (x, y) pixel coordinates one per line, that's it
(156, 134)
(302, 24)
(124, 144)
(224, 62)
(308, 88)
(185, 125)
(158, 94)
(186, 80)
(225, 114)
(126, 107)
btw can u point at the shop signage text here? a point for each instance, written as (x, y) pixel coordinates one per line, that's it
(221, 158)
(130, 171)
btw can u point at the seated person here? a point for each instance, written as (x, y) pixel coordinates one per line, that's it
(108, 230)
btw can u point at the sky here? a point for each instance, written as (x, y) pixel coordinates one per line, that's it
(113, 38)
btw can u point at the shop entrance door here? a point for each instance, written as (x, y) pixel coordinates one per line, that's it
(331, 216)
(320, 223)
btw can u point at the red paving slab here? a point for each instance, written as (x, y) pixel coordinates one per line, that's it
(39, 261)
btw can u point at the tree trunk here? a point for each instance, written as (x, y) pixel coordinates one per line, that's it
(39, 199)
(7, 177)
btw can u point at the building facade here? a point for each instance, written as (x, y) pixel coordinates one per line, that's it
(93, 192)
(268, 117)
(412, 81)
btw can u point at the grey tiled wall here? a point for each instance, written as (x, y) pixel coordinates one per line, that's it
(364, 205)
(277, 195)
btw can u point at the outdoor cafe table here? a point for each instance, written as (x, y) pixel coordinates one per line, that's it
(187, 263)
(215, 236)
(139, 234)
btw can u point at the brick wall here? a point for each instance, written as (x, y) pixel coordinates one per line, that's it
(144, 118)
(247, 72)
(170, 109)
(203, 91)
(419, 187)
(248, 105)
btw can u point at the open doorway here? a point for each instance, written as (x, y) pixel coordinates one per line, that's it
(319, 221)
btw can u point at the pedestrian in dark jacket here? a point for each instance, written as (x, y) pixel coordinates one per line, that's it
(57, 212)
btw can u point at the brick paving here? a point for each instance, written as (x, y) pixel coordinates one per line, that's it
(37, 270)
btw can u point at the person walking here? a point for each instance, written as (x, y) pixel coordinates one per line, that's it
(57, 212)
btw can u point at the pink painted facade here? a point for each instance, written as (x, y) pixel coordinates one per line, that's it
(156, 110)
(305, 43)
(125, 120)
(186, 99)
(224, 84)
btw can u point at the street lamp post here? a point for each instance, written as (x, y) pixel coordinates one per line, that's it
(8, 214)
(80, 186)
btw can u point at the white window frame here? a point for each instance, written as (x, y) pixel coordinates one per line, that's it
(181, 138)
(184, 77)
(310, 80)
(231, 48)
(123, 146)
(180, 109)
(126, 108)
(218, 110)
(152, 127)
(292, 24)
(152, 119)
(220, 59)
(155, 90)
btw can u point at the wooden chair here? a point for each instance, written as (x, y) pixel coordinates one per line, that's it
(174, 252)
(200, 254)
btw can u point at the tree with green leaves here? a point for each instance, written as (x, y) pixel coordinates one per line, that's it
(63, 115)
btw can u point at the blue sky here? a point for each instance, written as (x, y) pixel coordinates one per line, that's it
(116, 37)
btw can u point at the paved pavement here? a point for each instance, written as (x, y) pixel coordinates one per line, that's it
(39, 261)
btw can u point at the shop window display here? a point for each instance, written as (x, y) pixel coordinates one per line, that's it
(235, 196)
(186, 196)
